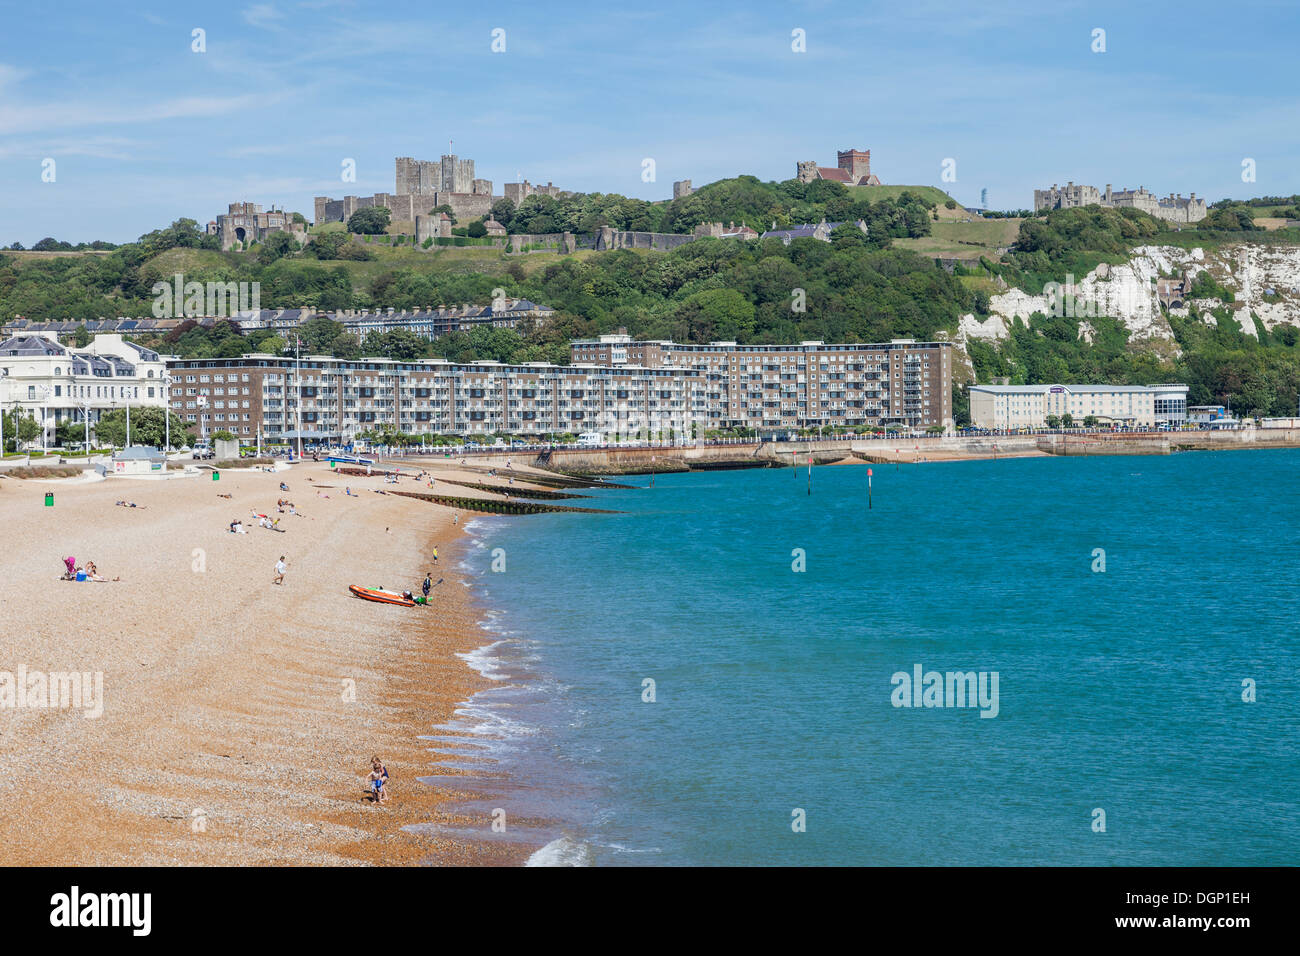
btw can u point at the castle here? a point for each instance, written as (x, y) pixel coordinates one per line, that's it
(244, 222)
(518, 192)
(1173, 208)
(420, 186)
(853, 168)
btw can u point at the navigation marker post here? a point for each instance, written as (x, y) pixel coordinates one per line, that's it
(810, 474)
(868, 489)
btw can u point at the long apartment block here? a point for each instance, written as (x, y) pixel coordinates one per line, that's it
(259, 394)
(811, 384)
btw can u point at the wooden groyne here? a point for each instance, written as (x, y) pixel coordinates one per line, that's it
(513, 490)
(497, 507)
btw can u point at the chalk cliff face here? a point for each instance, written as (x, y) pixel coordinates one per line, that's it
(1265, 281)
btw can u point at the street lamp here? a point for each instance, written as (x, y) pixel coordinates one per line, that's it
(167, 414)
(45, 411)
(4, 388)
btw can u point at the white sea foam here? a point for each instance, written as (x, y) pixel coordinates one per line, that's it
(562, 852)
(485, 661)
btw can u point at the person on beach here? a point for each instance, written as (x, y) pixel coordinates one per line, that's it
(279, 571)
(92, 573)
(378, 780)
(435, 552)
(427, 586)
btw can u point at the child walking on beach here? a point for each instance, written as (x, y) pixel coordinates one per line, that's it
(279, 571)
(378, 780)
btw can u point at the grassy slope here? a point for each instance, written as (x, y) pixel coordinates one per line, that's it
(877, 193)
(964, 240)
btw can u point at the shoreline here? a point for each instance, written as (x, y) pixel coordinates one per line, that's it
(225, 736)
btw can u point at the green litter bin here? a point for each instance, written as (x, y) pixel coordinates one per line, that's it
(49, 499)
(216, 476)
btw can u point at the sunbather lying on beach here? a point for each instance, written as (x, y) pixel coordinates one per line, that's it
(129, 504)
(92, 573)
(225, 496)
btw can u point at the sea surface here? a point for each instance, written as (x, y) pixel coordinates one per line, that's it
(1126, 605)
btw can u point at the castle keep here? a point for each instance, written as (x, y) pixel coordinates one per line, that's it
(419, 186)
(1173, 208)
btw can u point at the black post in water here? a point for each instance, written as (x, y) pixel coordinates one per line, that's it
(810, 475)
(868, 489)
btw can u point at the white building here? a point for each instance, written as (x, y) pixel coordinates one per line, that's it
(1029, 406)
(54, 383)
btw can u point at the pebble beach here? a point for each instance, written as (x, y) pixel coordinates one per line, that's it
(238, 716)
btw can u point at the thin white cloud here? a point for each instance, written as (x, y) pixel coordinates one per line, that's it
(98, 147)
(78, 115)
(261, 15)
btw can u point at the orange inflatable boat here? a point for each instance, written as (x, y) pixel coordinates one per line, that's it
(383, 597)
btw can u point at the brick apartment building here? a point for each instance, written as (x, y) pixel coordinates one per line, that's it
(259, 394)
(808, 385)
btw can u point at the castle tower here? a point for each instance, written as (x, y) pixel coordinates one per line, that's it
(682, 188)
(856, 162)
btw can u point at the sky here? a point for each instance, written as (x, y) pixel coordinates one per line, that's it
(145, 124)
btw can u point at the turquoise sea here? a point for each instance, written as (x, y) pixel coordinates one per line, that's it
(1118, 690)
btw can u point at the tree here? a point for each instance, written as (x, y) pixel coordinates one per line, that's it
(345, 346)
(847, 235)
(1053, 421)
(273, 345)
(370, 222)
(277, 245)
(503, 211)
(69, 433)
(328, 245)
(81, 338)
(147, 427)
(1089, 421)
(1067, 420)
(400, 344)
(20, 428)
(317, 334)
(476, 229)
